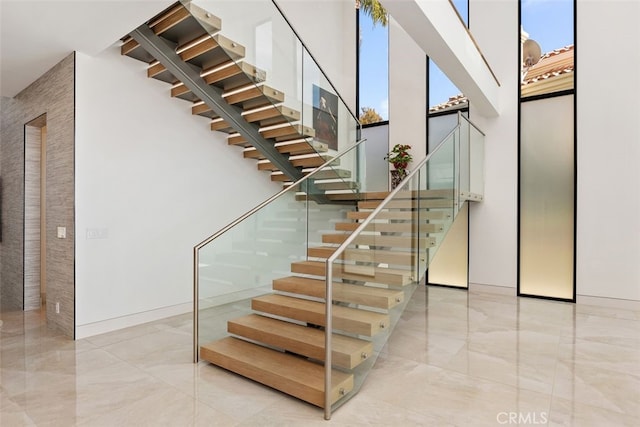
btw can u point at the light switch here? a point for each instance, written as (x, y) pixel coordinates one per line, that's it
(62, 232)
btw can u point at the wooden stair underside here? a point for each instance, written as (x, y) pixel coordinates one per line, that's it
(285, 372)
(352, 320)
(347, 352)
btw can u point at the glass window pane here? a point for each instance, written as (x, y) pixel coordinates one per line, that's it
(547, 46)
(374, 70)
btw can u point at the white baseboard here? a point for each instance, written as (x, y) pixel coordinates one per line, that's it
(97, 328)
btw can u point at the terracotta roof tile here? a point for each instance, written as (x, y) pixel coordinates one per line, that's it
(552, 64)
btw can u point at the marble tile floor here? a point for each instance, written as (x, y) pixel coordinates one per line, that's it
(456, 358)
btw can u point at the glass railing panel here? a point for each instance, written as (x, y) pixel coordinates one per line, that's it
(464, 157)
(378, 268)
(476, 163)
(241, 261)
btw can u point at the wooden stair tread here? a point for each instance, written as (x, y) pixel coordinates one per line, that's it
(352, 320)
(378, 240)
(354, 294)
(402, 215)
(285, 372)
(305, 160)
(367, 255)
(175, 24)
(364, 273)
(392, 227)
(327, 173)
(402, 195)
(280, 133)
(209, 51)
(266, 116)
(338, 185)
(249, 97)
(289, 147)
(228, 76)
(186, 23)
(347, 352)
(407, 204)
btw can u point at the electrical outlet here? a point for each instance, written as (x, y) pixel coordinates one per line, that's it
(57, 308)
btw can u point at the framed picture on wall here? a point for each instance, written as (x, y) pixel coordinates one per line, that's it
(325, 116)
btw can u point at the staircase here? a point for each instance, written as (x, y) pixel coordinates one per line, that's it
(372, 281)
(264, 285)
(267, 130)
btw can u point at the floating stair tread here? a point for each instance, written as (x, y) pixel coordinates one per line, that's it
(377, 240)
(402, 195)
(352, 320)
(407, 204)
(186, 23)
(347, 352)
(289, 147)
(255, 96)
(354, 294)
(327, 173)
(159, 72)
(308, 160)
(285, 372)
(272, 115)
(176, 24)
(392, 227)
(366, 255)
(337, 185)
(281, 133)
(210, 51)
(402, 215)
(228, 76)
(364, 273)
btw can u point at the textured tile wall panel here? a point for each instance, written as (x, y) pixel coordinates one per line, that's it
(53, 94)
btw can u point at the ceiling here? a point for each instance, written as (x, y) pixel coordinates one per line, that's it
(37, 34)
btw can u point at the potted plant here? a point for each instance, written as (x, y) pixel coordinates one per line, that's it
(399, 157)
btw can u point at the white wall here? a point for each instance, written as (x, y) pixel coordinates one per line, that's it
(407, 92)
(608, 114)
(493, 223)
(153, 181)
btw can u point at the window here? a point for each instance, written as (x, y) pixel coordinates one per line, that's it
(547, 43)
(373, 78)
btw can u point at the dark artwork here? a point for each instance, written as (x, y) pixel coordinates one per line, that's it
(325, 118)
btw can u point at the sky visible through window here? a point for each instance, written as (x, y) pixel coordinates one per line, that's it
(548, 22)
(374, 66)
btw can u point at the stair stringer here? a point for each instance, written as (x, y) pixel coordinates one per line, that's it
(212, 97)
